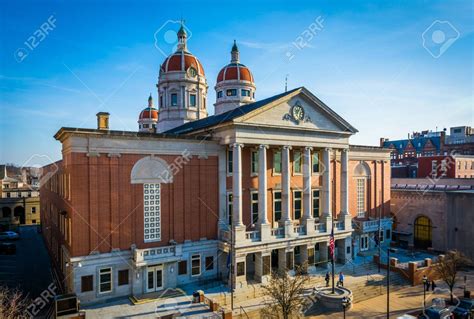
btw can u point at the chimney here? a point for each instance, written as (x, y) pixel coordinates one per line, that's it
(382, 141)
(103, 121)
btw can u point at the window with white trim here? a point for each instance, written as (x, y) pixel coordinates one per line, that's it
(297, 162)
(360, 197)
(152, 211)
(230, 161)
(105, 280)
(277, 162)
(315, 162)
(254, 162)
(316, 197)
(297, 204)
(254, 206)
(195, 265)
(276, 206)
(229, 206)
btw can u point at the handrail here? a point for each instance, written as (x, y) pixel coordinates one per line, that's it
(242, 309)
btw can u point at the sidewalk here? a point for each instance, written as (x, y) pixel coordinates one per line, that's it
(401, 302)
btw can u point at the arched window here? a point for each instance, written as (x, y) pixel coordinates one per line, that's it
(361, 175)
(423, 232)
(151, 172)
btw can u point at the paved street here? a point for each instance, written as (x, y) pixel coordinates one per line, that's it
(29, 269)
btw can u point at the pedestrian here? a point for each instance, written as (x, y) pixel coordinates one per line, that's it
(341, 279)
(433, 285)
(428, 285)
(327, 279)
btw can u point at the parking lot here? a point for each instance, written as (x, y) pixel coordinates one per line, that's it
(29, 268)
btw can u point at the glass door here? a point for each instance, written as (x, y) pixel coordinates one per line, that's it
(150, 280)
(154, 279)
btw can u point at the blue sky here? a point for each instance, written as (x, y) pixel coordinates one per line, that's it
(367, 62)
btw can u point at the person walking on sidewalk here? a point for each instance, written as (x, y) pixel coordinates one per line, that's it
(341, 280)
(433, 285)
(327, 279)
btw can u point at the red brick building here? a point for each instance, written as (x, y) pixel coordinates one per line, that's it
(452, 166)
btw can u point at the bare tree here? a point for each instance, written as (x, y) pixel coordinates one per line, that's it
(287, 293)
(13, 304)
(448, 267)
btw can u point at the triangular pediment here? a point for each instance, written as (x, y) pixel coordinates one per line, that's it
(301, 110)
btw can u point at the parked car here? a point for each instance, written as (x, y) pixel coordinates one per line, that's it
(436, 313)
(465, 309)
(9, 235)
(7, 248)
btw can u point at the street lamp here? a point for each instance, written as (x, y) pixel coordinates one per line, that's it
(425, 282)
(389, 250)
(345, 303)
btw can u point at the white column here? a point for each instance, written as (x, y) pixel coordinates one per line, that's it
(285, 183)
(308, 219)
(237, 184)
(307, 183)
(327, 207)
(345, 182)
(262, 184)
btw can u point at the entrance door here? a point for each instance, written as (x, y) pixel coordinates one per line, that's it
(154, 278)
(364, 242)
(423, 232)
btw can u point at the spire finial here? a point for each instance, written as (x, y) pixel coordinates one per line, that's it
(234, 53)
(150, 101)
(182, 35)
(286, 83)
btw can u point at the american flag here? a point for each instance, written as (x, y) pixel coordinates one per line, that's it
(331, 244)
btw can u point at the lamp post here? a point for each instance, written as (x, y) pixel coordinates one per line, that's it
(345, 303)
(389, 250)
(425, 281)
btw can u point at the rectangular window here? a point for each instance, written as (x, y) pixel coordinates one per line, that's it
(229, 207)
(33, 210)
(152, 211)
(381, 237)
(161, 101)
(361, 198)
(195, 265)
(254, 163)
(266, 260)
(316, 198)
(209, 262)
(315, 161)
(230, 161)
(231, 92)
(174, 99)
(123, 277)
(387, 234)
(105, 280)
(277, 205)
(86, 283)
(364, 242)
(182, 267)
(297, 162)
(219, 94)
(245, 92)
(192, 100)
(297, 204)
(241, 268)
(254, 203)
(277, 162)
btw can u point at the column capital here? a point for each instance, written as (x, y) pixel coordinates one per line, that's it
(263, 146)
(308, 148)
(328, 149)
(287, 147)
(345, 150)
(235, 145)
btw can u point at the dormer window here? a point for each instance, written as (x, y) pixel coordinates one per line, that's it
(231, 92)
(174, 99)
(219, 94)
(245, 92)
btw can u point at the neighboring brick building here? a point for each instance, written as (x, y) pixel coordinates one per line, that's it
(260, 185)
(437, 215)
(452, 166)
(405, 154)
